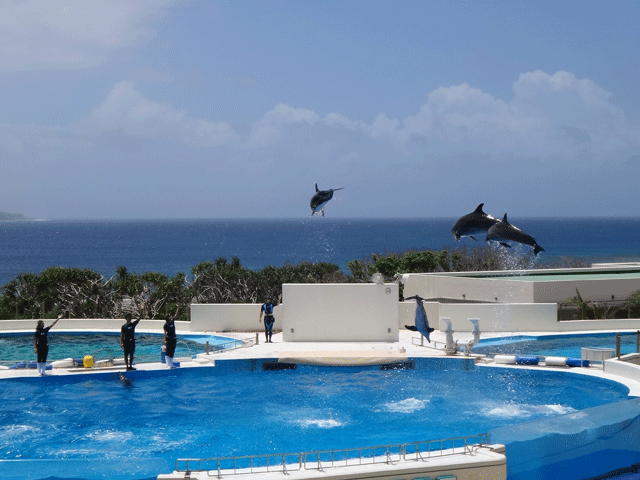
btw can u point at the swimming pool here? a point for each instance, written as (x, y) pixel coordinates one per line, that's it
(16, 347)
(94, 427)
(569, 345)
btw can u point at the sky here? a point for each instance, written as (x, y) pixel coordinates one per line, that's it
(120, 109)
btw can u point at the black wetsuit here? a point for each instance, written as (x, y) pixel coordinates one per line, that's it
(170, 338)
(269, 319)
(128, 336)
(42, 344)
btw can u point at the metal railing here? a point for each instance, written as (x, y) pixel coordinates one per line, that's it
(327, 459)
(230, 345)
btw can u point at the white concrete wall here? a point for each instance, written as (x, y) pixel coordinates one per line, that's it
(627, 369)
(500, 317)
(227, 317)
(340, 312)
(466, 287)
(601, 289)
(595, 325)
(494, 317)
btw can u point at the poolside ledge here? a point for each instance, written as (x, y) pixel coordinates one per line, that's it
(487, 461)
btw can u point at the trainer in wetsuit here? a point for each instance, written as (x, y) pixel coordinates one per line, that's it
(170, 340)
(128, 339)
(41, 344)
(269, 319)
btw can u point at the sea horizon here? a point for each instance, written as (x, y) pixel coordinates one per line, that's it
(326, 218)
(174, 245)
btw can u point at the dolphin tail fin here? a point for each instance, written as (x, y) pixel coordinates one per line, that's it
(428, 335)
(537, 249)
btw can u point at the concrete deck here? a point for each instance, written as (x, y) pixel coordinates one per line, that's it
(334, 353)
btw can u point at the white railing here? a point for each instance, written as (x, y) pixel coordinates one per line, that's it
(327, 459)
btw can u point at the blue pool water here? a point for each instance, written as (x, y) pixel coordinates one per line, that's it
(16, 347)
(53, 425)
(555, 345)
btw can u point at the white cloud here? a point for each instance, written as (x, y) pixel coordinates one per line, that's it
(338, 120)
(270, 127)
(553, 118)
(126, 112)
(549, 116)
(66, 34)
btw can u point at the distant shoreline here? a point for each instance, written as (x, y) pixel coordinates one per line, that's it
(11, 216)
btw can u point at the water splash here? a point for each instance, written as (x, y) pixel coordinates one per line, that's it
(320, 423)
(408, 405)
(523, 410)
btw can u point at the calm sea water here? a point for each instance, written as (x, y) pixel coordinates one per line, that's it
(172, 246)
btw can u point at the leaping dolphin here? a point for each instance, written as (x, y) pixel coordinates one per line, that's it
(422, 323)
(504, 232)
(320, 199)
(473, 223)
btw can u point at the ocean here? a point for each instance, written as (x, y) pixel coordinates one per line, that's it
(172, 246)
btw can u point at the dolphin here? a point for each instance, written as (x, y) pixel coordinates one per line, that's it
(473, 223)
(320, 199)
(422, 323)
(503, 232)
(124, 380)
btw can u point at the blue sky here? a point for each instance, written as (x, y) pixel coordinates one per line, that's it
(211, 109)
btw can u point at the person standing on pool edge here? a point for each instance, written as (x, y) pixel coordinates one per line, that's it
(41, 344)
(128, 339)
(170, 341)
(269, 319)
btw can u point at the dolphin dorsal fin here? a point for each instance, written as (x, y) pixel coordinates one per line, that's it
(504, 219)
(317, 188)
(479, 208)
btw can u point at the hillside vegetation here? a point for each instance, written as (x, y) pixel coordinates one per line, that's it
(83, 293)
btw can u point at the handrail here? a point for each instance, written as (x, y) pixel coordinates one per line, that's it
(326, 459)
(217, 348)
(105, 349)
(231, 345)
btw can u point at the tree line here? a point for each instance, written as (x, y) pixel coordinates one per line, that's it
(84, 293)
